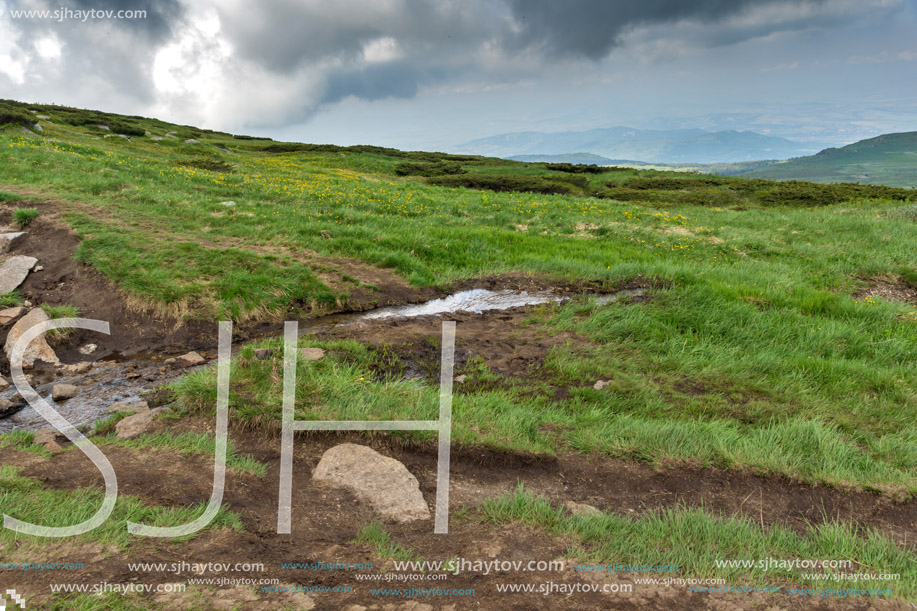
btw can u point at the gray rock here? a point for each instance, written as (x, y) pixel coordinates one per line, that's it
(131, 407)
(37, 128)
(101, 126)
(460, 379)
(4, 383)
(10, 314)
(87, 349)
(600, 384)
(62, 392)
(14, 270)
(264, 353)
(383, 482)
(135, 425)
(582, 509)
(8, 408)
(77, 368)
(44, 436)
(193, 358)
(311, 354)
(49, 439)
(39, 348)
(8, 240)
(227, 203)
(191, 141)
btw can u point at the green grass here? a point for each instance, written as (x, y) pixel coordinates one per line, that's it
(28, 500)
(379, 539)
(22, 441)
(694, 540)
(60, 311)
(187, 443)
(11, 299)
(24, 216)
(630, 419)
(753, 352)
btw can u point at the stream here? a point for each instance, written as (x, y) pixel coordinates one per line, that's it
(109, 382)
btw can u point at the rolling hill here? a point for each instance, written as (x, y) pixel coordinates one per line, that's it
(890, 159)
(651, 146)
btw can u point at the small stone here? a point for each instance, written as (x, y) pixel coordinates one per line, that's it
(132, 426)
(62, 392)
(44, 436)
(264, 353)
(169, 361)
(10, 314)
(38, 268)
(78, 368)
(4, 383)
(227, 203)
(311, 354)
(87, 349)
(132, 376)
(461, 379)
(600, 384)
(191, 141)
(582, 509)
(131, 407)
(192, 358)
(8, 408)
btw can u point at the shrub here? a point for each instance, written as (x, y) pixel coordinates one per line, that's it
(24, 216)
(504, 182)
(575, 168)
(210, 164)
(420, 168)
(15, 116)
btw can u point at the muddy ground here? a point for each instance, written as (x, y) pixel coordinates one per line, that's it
(326, 521)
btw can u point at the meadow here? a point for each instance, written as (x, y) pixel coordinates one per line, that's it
(771, 339)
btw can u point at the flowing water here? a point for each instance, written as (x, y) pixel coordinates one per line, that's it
(110, 382)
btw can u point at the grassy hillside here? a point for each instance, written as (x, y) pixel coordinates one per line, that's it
(777, 335)
(890, 159)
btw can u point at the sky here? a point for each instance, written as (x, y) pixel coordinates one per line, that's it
(433, 74)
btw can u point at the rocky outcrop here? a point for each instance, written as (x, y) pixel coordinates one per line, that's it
(382, 482)
(38, 350)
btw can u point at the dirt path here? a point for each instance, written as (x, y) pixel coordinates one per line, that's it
(326, 521)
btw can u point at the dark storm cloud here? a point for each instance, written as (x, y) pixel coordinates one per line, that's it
(374, 82)
(590, 28)
(161, 15)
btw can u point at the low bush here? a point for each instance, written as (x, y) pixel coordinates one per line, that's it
(421, 168)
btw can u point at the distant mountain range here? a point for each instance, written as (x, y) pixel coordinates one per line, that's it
(890, 159)
(649, 146)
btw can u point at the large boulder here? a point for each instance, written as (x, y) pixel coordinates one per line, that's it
(38, 350)
(383, 482)
(14, 271)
